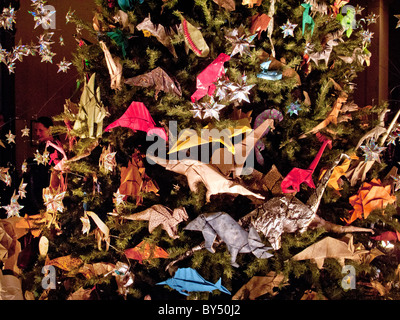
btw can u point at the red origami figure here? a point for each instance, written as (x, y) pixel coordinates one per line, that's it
(205, 80)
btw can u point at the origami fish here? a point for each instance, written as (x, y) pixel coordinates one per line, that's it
(205, 80)
(158, 79)
(137, 117)
(235, 237)
(188, 280)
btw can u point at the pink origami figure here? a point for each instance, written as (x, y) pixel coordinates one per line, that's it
(205, 80)
(291, 183)
(137, 117)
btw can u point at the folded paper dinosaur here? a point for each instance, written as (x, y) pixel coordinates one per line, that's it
(238, 240)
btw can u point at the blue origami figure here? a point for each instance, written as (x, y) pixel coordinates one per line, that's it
(269, 74)
(188, 280)
(235, 237)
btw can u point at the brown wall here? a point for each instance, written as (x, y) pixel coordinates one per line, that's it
(39, 89)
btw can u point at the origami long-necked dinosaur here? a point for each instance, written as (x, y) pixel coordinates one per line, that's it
(291, 183)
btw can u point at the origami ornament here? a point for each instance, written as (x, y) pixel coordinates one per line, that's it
(260, 285)
(307, 19)
(5, 176)
(291, 183)
(288, 29)
(8, 240)
(107, 159)
(347, 21)
(91, 111)
(206, 79)
(229, 5)
(102, 233)
(145, 251)
(63, 66)
(114, 67)
(189, 138)
(267, 74)
(188, 280)
(259, 23)
(7, 18)
(160, 32)
(160, 215)
(66, 263)
(235, 237)
(134, 179)
(137, 117)
(25, 132)
(10, 137)
(294, 108)
(330, 248)
(251, 3)
(13, 208)
(123, 276)
(371, 196)
(240, 90)
(337, 5)
(388, 236)
(339, 171)
(331, 40)
(241, 43)
(372, 151)
(90, 270)
(398, 21)
(207, 109)
(197, 171)
(194, 39)
(266, 114)
(158, 79)
(288, 214)
(333, 115)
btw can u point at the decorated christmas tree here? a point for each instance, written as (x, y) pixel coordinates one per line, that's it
(215, 152)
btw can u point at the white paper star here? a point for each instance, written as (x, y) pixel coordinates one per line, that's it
(53, 202)
(211, 109)
(5, 176)
(372, 151)
(240, 42)
(14, 207)
(288, 29)
(21, 189)
(25, 132)
(10, 137)
(63, 66)
(118, 198)
(24, 166)
(240, 91)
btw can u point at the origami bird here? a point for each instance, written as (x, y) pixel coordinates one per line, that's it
(160, 215)
(205, 80)
(293, 180)
(235, 237)
(137, 117)
(91, 110)
(158, 79)
(188, 280)
(197, 171)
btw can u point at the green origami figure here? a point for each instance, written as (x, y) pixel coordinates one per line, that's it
(91, 110)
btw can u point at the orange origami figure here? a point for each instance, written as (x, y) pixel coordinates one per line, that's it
(251, 3)
(370, 196)
(134, 180)
(146, 251)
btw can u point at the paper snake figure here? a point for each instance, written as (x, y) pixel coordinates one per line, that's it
(267, 114)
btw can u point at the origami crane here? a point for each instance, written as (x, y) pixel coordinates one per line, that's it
(145, 251)
(188, 280)
(137, 117)
(161, 215)
(158, 79)
(205, 80)
(235, 237)
(197, 171)
(293, 180)
(91, 110)
(330, 248)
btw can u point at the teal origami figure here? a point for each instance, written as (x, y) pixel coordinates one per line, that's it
(269, 74)
(188, 280)
(235, 237)
(307, 19)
